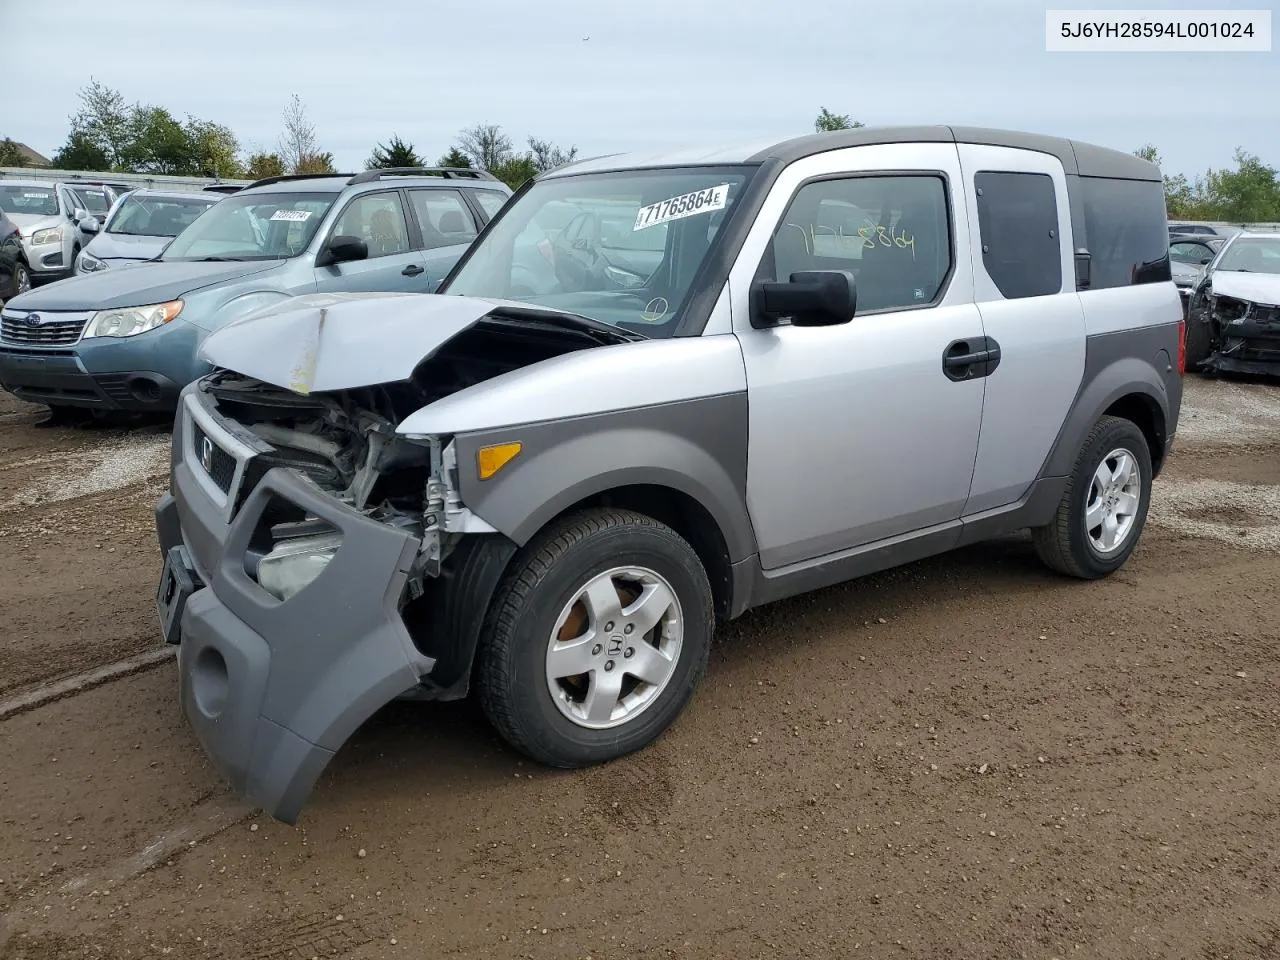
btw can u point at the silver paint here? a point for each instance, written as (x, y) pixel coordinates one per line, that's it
(589, 382)
(855, 433)
(1041, 345)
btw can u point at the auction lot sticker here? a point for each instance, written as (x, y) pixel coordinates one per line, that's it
(293, 216)
(685, 205)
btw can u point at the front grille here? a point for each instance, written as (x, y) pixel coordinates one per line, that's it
(49, 329)
(216, 462)
(1263, 314)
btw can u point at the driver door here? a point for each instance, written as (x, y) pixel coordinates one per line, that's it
(863, 432)
(392, 264)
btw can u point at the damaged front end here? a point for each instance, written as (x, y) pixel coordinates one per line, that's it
(318, 564)
(1245, 336)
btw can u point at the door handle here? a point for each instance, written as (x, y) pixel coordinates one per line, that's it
(412, 270)
(969, 359)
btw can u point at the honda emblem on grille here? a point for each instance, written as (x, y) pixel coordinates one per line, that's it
(33, 320)
(206, 455)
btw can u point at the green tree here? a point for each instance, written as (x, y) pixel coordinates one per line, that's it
(215, 151)
(315, 163)
(158, 143)
(515, 170)
(80, 152)
(263, 165)
(104, 122)
(1149, 153)
(454, 158)
(827, 121)
(10, 155)
(396, 153)
(1248, 194)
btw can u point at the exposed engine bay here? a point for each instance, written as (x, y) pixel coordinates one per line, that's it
(346, 442)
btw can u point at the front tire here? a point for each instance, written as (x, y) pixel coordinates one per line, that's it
(596, 640)
(1104, 507)
(21, 278)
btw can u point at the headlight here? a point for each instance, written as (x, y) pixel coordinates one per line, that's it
(131, 321)
(51, 235)
(292, 564)
(88, 263)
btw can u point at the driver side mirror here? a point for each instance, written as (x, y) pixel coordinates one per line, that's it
(78, 214)
(812, 298)
(1205, 261)
(90, 225)
(342, 249)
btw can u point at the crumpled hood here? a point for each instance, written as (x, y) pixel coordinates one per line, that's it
(154, 283)
(118, 246)
(1255, 287)
(340, 341)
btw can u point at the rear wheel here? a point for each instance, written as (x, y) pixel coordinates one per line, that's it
(1104, 506)
(597, 639)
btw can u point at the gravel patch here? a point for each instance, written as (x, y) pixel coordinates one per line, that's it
(1219, 413)
(1241, 514)
(115, 464)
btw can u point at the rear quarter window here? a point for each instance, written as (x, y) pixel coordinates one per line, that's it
(1018, 225)
(1126, 231)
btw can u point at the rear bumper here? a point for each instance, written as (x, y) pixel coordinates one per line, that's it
(272, 689)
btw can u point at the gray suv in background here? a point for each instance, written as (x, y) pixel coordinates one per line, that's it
(49, 215)
(126, 340)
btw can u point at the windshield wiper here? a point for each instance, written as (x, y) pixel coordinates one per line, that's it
(220, 260)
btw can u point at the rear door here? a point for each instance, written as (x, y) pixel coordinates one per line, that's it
(393, 265)
(1019, 224)
(447, 227)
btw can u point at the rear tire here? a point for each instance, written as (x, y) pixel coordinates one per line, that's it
(21, 278)
(1093, 509)
(572, 674)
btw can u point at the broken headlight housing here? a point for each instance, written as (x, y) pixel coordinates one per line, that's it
(293, 564)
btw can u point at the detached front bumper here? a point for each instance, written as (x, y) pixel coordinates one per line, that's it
(272, 689)
(1247, 347)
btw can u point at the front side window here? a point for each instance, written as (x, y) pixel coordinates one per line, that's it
(1252, 255)
(1185, 252)
(23, 200)
(1018, 227)
(443, 218)
(253, 226)
(1125, 231)
(893, 233)
(378, 220)
(96, 201)
(156, 216)
(622, 248)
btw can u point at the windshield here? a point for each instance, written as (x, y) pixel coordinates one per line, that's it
(97, 202)
(622, 248)
(261, 226)
(40, 201)
(1252, 255)
(156, 216)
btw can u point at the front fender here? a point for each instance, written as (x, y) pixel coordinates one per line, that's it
(696, 447)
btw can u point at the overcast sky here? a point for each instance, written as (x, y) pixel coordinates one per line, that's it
(653, 73)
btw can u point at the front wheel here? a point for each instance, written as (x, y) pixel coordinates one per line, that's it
(1104, 506)
(596, 640)
(21, 278)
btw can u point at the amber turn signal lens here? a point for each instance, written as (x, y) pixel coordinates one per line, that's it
(489, 460)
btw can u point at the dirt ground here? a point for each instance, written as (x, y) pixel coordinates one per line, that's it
(964, 758)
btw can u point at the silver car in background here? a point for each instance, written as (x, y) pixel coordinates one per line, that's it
(139, 227)
(48, 217)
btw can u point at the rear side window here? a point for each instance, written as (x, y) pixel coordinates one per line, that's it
(1126, 231)
(491, 201)
(443, 217)
(1018, 226)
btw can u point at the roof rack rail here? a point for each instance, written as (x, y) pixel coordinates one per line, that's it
(460, 173)
(291, 176)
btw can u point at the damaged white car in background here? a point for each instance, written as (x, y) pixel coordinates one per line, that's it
(1233, 315)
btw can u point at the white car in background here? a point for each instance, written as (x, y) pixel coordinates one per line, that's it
(48, 216)
(139, 227)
